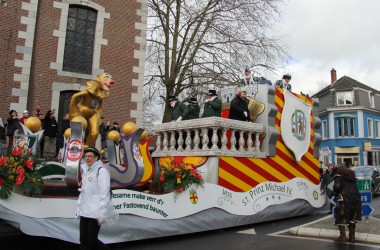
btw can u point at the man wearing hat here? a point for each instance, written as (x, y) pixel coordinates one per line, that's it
(193, 108)
(94, 206)
(178, 109)
(213, 105)
(284, 83)
(247, 79)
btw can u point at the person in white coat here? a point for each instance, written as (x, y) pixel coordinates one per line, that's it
(94, 206)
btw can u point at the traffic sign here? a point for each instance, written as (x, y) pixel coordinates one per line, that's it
(364, 184)
(366, 197)
(367, 210)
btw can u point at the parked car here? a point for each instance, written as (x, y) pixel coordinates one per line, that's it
(369, 172)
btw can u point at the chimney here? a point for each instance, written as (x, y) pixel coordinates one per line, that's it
(333, 76)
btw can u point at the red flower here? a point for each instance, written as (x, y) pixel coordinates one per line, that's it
(20, 170)
(3, 160)
(198, 176)
(1, 181)
(20, 179)
(193, 171)
(162, 179)
(17, 152)
(29, 163)
(180, 190)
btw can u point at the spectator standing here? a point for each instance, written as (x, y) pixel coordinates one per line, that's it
(25, 116)
(50, 136)
(13, 124)
(349, 206)
(65, 124)
(115, 126)
(40, 116)
(104, 127)
(326, 180)
(212, 106)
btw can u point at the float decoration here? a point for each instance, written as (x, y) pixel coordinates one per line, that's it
(176, 177)
(19, 172)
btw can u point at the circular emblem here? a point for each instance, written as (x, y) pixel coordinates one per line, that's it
(74, 150)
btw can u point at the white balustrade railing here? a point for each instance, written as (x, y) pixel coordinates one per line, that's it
(208, 137)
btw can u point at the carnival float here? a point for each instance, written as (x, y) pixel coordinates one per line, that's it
(196, 183)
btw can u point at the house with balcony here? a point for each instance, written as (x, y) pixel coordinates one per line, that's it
(350, 122)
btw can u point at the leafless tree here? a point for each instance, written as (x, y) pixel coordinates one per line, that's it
(194, 43)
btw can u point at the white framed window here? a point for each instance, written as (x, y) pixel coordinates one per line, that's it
(370, 127)
(324, 130)
(346, 127)
(344, 98)
(377, 128)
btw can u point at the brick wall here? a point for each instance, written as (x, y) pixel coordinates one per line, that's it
(117, 56)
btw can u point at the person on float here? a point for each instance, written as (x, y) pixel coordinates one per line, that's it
(193, 108)
(212, 106)
(284, 83)
(349, 206)
(178, 110)
(248, 77)
(50, 136)
(25, 115)
(239, 107)
(94, 206)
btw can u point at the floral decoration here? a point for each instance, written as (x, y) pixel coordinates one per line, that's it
(19, 170)
(175, 177)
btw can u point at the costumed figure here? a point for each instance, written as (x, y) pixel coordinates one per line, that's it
(193, 108)
(284, 83)
(25, 116)
(349, 206)
(248, 79)
(178, 109)
(212, 106)
(88, 104)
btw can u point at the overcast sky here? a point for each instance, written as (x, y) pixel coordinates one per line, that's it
(326, 34)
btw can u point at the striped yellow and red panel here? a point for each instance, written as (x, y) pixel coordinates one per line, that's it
(242, 174)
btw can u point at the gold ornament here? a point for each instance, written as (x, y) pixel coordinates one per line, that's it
(114, 135)
(144, 135)
(33, 124)
(67, 133)
(80, 119)
(102, 152)
(128, 128)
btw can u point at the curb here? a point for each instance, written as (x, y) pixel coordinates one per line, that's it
(328, 233)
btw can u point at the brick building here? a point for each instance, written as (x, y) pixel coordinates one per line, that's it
(51, 48)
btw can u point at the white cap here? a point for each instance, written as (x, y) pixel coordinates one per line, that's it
(26, 112)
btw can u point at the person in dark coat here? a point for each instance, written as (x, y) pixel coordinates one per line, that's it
(212, 106)
(326, 180)
(65, 124)
(178, 109)
(349, 206)
(239, 107)
(50, 136)
(13, 124)
(104, 127)
(193, 108)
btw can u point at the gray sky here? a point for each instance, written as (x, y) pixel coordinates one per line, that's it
(326, 34)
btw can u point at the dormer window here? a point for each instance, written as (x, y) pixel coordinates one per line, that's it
(344, 98)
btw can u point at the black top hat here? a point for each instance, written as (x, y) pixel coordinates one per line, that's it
(247, 69)
(193, 100)
(172, 98)
(93, 150)
(212, 92)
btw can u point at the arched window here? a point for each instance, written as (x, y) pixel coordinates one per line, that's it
(80, 36)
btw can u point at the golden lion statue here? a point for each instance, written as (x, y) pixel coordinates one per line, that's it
(88, 104)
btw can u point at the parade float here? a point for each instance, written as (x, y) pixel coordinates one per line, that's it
(245, 173)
